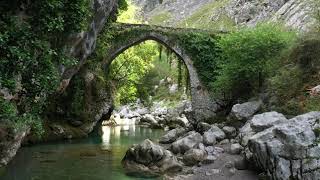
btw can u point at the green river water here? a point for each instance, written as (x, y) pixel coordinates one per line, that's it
(95, 158)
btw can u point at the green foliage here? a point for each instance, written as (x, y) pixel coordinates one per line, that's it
(9, 115)
(315, 5)
(60, 16)
(160, 18)
(25, 57)
(298, 72)
(247, 58)
(312, 104)
(7, 110)
(128, 13)
(286, 84)
(123, 5)
(317, 132)
(31, 49)
(128, 68)
(161, 70)
(203, 18)
(204, 52)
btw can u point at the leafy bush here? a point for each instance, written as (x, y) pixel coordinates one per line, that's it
(9, 115)
(299, 71)
(247, 58)
(287, 83)
(312, 104)
(60, 16)
(205, 53)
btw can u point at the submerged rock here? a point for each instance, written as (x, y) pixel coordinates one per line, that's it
(149, 160)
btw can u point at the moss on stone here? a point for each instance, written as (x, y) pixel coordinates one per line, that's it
(317, 132)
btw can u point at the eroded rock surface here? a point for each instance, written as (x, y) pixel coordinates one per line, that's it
(289, 150)
(148, 160)
(191, 140)
(244, 111)
(172, 135)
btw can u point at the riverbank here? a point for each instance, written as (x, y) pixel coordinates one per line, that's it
(97, 157)
(248, 143)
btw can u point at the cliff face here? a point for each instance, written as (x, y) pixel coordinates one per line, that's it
(228, 14)
(293, 13)
(81, 45)
(98, 102)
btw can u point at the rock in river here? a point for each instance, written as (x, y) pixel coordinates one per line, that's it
(191, 140)
(172, 135)
(149, 160)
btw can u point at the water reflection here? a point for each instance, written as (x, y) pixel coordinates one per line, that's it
(116, 132)
(94, 158)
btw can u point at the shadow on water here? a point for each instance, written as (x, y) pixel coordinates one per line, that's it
(96, 158)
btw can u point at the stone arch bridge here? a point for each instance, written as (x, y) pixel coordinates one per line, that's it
(123, 36)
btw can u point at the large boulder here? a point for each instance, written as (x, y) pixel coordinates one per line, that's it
(209, 138)
(172, 135)
(190, 141)
(148, 118)
(230, 132)
(259, 123)
(142, 111)
(158, 109)
(194, 156)
(10, 142)
(289, 150)
(217, 132)
(235, 148)
(243, 112)
(203, 127)
(149, 160)
(174, 121)
(263, 121)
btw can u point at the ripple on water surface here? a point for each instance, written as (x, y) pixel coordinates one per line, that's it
(95, 158)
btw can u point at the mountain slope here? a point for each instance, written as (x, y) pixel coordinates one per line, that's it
(226, 14)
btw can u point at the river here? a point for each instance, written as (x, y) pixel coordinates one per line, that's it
(95, 158)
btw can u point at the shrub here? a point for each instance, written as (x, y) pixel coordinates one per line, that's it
(299, 71)
(247, 58)
(312, 104)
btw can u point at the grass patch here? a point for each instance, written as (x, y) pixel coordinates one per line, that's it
(202, 18)
(160, 18)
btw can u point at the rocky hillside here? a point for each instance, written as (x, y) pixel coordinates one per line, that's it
(226, 14)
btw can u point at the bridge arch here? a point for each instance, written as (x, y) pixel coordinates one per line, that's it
(203, 106)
